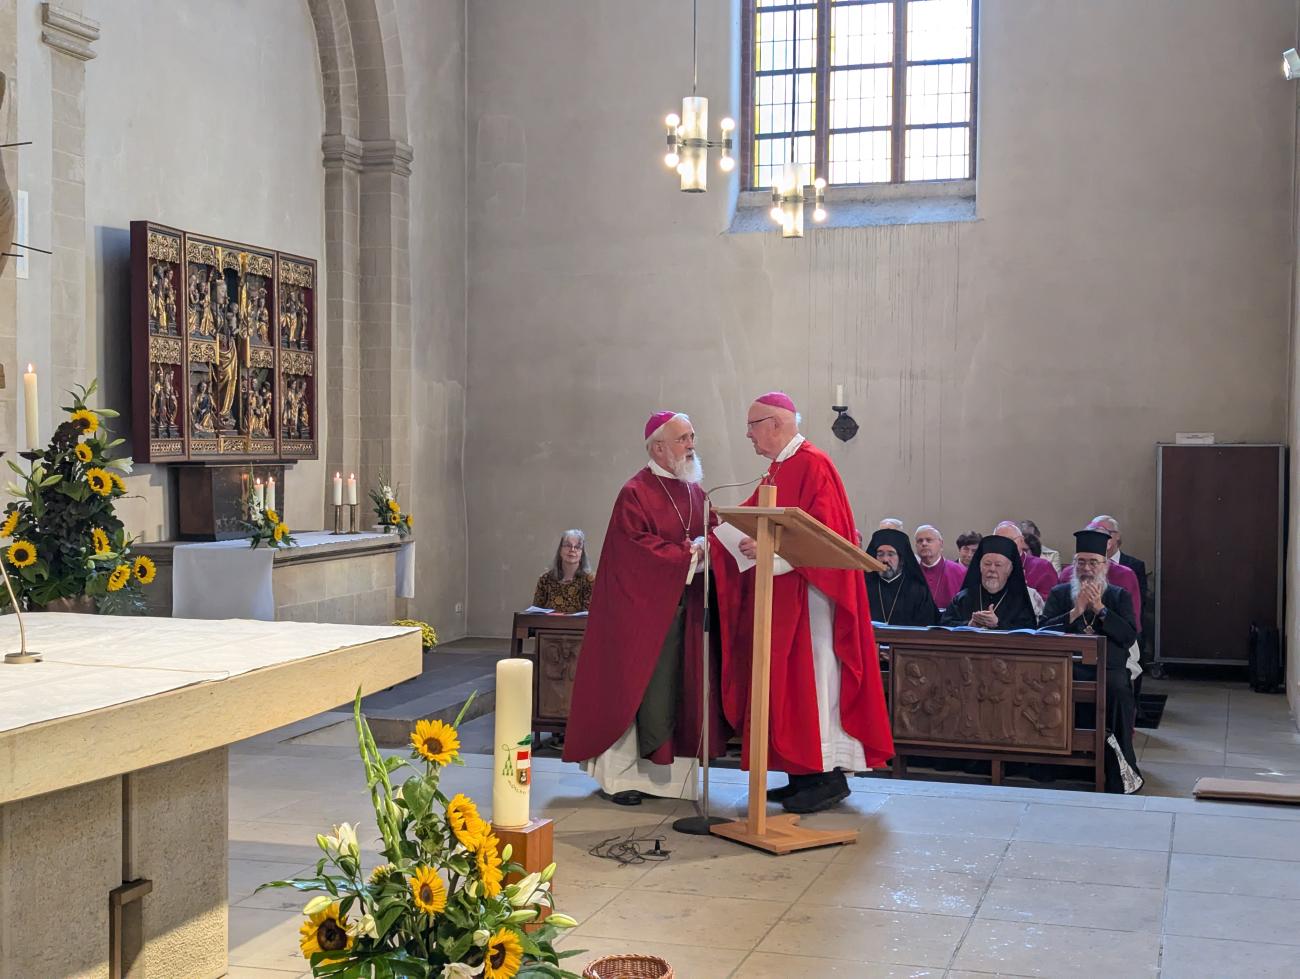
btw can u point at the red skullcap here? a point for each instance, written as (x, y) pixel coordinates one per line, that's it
(777, 399)
(657, 420)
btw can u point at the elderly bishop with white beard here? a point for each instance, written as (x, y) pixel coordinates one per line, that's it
(634, 721)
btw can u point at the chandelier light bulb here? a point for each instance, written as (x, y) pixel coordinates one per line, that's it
(819, 183)
(671, 160)
(672, 120)
(776, 214)
(727, 164)
(819, 214)
(727, 124)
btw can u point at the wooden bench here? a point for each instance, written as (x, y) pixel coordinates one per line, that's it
(1000, 697)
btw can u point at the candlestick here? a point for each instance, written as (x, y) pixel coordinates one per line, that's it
(338, 518)
(352, 518)
(352, 489)
(30, 406)
(839, 394)
(338, 489)
(513, 743)
(270, 492)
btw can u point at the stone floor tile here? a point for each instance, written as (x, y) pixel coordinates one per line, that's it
(1233, 916)
(1057, 902)
(888, 937)
(1084, 864)
(1226, 836)
(769, 965)
(1234, 875)
(245, 876)
(266, 939)
(974, 855)
(720, 922)
(1022, 948)
(951, 817)
(1187, 957)
(248, 972)
(1102, 827)
(581, 902)
(892, 889)
(688, 961)
(714, 867)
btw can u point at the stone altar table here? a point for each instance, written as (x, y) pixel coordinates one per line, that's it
(113, 756)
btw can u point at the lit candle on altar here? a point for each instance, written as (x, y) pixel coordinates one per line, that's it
(259, 493)
(513, 742)
(839, 394)
(338, 489)
(352, 489)
(30, 407)
(270, 492)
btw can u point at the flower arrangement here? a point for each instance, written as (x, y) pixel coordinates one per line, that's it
(439, 907)
(388, 511)
(428, 637)
(264, 524)
(65, 538)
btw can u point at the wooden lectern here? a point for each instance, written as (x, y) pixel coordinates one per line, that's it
(806, 543)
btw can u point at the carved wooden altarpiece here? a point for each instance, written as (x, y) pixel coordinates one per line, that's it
(223, 351)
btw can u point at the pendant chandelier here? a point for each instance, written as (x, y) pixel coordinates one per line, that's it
(688, 134)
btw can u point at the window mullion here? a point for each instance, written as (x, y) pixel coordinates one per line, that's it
(822, 103)
(898, 142)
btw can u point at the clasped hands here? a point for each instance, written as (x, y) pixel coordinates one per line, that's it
(985, 618)
(1089, 598)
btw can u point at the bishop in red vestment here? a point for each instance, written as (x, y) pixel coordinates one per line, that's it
(827, 702)
(634, 720)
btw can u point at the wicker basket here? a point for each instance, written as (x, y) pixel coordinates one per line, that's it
(629, 967)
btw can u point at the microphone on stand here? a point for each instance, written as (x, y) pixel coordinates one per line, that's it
(698, 825)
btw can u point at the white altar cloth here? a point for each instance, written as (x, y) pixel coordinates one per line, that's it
(96, 661)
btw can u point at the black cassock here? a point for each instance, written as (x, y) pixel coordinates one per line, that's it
(904, 601)
(1011, 605)
(1117, 624)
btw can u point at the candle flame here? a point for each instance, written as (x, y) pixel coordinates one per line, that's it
(31, 369)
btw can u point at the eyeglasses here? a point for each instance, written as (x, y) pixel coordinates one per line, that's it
(1088, 562)
(686, 439)
(756, 421)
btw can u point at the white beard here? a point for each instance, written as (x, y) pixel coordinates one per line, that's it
(688, 469)
(1100, 578)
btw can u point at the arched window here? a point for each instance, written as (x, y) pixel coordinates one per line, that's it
(865, 91)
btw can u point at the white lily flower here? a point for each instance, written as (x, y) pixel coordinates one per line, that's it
(481, 937)
(364, 927)
(561, 921)
(549, 872)
(524, 890)
(319, 903)
(346, 840)
(459, 970)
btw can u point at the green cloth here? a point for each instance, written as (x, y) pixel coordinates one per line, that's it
(656, 719)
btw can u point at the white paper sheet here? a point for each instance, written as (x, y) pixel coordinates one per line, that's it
(730, 538)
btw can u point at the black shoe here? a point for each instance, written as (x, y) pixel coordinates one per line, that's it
(821, 792)
(781, 793)
(630, 797)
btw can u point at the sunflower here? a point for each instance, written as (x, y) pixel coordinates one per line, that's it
(325, 931)
(465, 822)
(83, 452)
(100, 481)
(435, 741)
(428, 891)
(272, 516)
(410, 520)
(10, 524)
(22, 553)
(118, 482)
(393, 507)
(281, 532)
(120, 576)
(382, 874)
(102, 545)
(503, 956)
(89, 420)
(144, 570)
(488, 860)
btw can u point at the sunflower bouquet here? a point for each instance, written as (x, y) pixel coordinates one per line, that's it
(65, 540)
(439, 907)
(264, 524)
(388, 511)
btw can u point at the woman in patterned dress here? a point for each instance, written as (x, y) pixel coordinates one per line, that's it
(566, 585)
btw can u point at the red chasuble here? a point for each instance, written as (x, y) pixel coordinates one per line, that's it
(807, 480)
(639, 584)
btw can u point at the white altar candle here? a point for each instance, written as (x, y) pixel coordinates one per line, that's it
(270, 492)
(514, 720)
(338, 489)
(259, 493)
(352, 489)
(839, 394)
(30, 405)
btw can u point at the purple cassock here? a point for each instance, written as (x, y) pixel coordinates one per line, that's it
(1116, 574)
(1039, 573)
(945, 579)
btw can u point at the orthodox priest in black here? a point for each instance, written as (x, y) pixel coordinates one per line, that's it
(1088, 604)
(994, 594)
(898, 595)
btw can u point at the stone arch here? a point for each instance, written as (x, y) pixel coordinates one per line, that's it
(367, 162)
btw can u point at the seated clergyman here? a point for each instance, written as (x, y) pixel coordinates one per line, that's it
(898, 595)
(1089, 604)
(994, 594)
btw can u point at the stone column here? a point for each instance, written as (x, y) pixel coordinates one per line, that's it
(8, 281)
(70, 35)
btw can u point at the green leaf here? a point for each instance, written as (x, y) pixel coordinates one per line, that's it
(464, 707)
